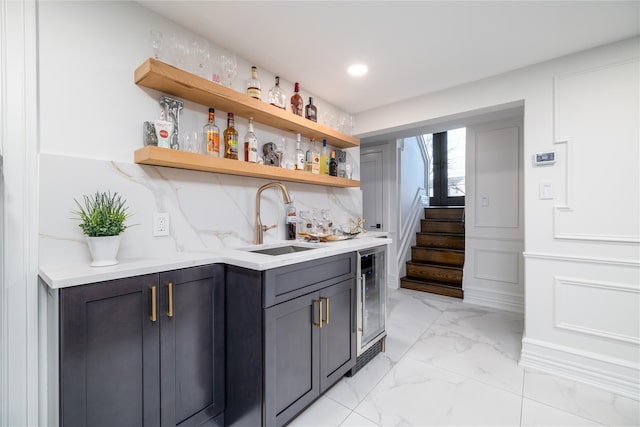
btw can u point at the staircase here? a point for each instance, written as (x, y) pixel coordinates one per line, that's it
(438, 257)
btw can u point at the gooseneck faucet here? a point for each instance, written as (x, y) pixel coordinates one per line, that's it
(260, 229)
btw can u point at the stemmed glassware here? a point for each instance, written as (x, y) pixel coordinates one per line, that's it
(155, 37)
(200, 50)
(229, 65)
(179, 50)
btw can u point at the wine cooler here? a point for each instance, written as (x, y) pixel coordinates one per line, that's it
(371, 305)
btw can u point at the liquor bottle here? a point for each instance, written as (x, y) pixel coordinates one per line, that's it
(212, 135)
(250, 144)
(291, 222)
(324, 159)
(308, 159)
(333, 165)
(277, 96)
(230, 139)
(299, 155)
(310, 111)
(315, 158)
(297, 103)
(253, 85)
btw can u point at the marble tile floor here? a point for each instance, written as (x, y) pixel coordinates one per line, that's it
(451, 363)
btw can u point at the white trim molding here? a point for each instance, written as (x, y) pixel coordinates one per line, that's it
(494, 299)
(617, 376)
(20, 358)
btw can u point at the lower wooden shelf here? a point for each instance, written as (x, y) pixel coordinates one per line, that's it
(157, 156)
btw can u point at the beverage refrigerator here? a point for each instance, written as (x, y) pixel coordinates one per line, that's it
(371, 305)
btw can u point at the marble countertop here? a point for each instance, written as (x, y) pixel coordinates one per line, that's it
(62, 276)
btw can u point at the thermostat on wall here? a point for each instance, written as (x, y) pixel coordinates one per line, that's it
(543, 159)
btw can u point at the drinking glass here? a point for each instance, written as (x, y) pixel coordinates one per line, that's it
(155, 37)
(229, 65)
(179, 50)
(200, 49)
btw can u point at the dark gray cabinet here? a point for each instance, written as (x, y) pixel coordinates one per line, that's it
(144, 351)
(290, 336)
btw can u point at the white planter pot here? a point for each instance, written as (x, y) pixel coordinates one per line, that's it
(104, 250)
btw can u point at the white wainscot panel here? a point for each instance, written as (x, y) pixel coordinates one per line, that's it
(594, 145)
(601, 309)
(496, 177)
(499, 266)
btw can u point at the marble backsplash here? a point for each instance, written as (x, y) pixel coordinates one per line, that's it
(208, 212)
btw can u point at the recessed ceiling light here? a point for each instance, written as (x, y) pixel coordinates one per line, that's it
(357, 70)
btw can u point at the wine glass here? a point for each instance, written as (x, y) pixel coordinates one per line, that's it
(155, 37)
(179, 50)
(200, 49)
(229, 65)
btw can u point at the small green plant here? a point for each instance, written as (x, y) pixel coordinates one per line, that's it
(103, 214)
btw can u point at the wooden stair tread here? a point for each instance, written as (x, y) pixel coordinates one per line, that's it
(435, 265)
(431, 286)
(427, 248)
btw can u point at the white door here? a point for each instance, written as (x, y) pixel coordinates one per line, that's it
(371, 184)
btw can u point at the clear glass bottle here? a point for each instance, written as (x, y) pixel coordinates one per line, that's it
(333, 165)
(211, 134)
(299, 154)
(308, 158)
(250, 144)
(324, 159)
(315, 158)
(277, 96)
(297, 103)
(291, 222)
(230, 139)
(253, 85)
(310, 111)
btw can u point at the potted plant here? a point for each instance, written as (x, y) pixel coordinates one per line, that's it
(103, 217)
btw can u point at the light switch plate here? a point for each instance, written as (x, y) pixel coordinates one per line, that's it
(545, 191)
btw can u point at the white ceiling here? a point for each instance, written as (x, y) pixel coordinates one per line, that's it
(411, 47)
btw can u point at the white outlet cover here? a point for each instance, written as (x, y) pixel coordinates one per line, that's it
(160, 224)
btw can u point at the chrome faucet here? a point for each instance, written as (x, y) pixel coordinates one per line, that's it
(260, 229)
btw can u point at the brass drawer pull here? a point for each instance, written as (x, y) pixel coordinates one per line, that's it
(326, 310)
(154, 308)
(170, 308)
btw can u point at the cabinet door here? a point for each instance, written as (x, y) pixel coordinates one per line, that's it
(109, 360)
(191, 312)
(338, 333)
(292, 363)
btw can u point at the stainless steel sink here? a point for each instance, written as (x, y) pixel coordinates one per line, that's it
(282, 250)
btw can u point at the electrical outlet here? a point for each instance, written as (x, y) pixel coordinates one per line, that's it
(160, 224)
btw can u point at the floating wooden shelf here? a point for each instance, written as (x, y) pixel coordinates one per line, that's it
(165, 78)
(157, 156)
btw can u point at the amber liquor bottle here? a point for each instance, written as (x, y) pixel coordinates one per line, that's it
(230, 139)
(297, 103)
(253, 85)
(212, 135)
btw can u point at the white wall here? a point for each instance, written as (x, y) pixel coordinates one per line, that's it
(582, 271)
(494, 229)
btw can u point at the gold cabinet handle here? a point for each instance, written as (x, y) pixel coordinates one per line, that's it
(326, 310)
(170, 307)
(154, 308)
(319, 323)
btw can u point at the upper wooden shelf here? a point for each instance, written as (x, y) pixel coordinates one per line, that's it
(157, 156)
(165, 78)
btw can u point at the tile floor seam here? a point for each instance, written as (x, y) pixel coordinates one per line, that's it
(565, 411)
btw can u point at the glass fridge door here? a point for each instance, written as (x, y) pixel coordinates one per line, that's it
(373, 296)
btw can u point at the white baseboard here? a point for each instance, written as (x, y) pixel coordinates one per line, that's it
(499, 300)
(614, 375)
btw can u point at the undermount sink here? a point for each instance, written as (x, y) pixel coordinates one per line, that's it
(282, 250)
